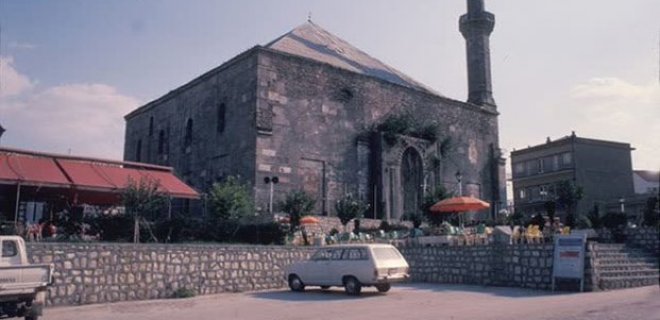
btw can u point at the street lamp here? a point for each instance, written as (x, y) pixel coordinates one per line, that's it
(271, 181)
(460, 187)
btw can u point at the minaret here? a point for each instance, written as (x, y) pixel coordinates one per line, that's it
(476, 27)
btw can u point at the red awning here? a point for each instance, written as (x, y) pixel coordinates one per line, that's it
(30, 170)
(86, 174)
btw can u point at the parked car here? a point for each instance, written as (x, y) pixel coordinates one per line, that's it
(23, 286)
(350, 266)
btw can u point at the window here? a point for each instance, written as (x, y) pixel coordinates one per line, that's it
(187, 140)
(323, 254)
(138, 151)
(9, 249)
(555, 162)
(221, 118)
(386, 254)
(539, 164)
(566, 159)
(519, 168)
(161, 142)
(151, 126)
(522, 194)
(355, 254)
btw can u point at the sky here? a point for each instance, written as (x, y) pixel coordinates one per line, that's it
(71, 69)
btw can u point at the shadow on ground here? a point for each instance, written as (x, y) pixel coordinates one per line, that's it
(508, 292)
(338, 294)
(316, 294)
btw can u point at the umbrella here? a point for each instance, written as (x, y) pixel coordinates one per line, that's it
(459, 204)
(309, 220)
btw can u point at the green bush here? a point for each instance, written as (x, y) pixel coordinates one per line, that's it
(182, 293)
(231, 200)
(349, 208)
(297, 204)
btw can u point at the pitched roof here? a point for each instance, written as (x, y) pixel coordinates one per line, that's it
(650, 176)
(313, 42)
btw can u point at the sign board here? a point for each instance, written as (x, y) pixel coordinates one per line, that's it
(568, 262)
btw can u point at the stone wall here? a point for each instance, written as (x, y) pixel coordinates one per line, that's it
(524, 265)
(644, 237)
(100, 273)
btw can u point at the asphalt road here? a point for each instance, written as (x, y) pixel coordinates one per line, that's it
(410, 301)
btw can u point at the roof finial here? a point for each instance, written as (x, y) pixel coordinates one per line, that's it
(309, 16)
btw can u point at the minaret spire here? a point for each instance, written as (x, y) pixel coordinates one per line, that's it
(476, 26)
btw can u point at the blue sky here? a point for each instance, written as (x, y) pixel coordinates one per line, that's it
(71, 69)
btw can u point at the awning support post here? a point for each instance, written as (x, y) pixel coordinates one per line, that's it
(18, 201)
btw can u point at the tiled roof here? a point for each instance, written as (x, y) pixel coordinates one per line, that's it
(313, 42)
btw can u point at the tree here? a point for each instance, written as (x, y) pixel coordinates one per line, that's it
(144, 202)
(440, 193)
(231, 201)
(651, 212)
(348, 208)
(594, 217)
(297, 204)
(568, 195)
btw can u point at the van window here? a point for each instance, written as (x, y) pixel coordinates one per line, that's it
(323, 254)
(355, 254)
(386, 254)
(9, 249)
(336, 254)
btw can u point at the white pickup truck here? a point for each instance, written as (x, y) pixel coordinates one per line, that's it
(23, 286)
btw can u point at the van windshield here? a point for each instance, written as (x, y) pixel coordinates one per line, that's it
(387, 254)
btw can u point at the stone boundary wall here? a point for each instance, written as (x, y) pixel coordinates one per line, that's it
(101, 272)
(644, 237)
(521, 265)
(104, 272)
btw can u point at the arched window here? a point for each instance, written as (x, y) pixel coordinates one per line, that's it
(161, 142)
(187, 141)
(138, 151)
(221, 118)
(151, 126)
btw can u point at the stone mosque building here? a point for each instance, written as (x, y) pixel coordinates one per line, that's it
(323, 116)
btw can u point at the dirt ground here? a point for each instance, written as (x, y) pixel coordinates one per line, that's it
(409, 301)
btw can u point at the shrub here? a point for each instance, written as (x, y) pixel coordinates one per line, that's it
(652, 212)
(230, 200)
(297, 204)
(349, 208)
(430, 199)
(182, 293)
(594, 217)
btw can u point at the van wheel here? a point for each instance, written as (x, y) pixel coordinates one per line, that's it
(384, 287)
(296, 284)
(325, 287)
(352, 286)
(31, 317)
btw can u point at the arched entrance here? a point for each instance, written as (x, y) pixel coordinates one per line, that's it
(412, 176)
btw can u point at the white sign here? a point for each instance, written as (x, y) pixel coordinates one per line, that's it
(569, 258)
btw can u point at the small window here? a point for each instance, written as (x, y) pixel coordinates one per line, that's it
(522, 194)
(540, 165)
(336, 254)
(566, 159)
(519, 168)
(9, 249)
(187, 141)
(221, 118)
(138, 151)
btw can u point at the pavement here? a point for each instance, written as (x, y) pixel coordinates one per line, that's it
(408, 301)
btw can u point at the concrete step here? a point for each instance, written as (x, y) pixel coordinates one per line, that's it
(627, 267)
(623, 255)
(628, 273)
(627, 282)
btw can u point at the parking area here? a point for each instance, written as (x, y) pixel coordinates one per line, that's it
(409, 301)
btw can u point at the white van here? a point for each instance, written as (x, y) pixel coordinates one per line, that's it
(351, 266)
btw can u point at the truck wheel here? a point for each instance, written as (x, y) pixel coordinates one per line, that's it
(383, 287)
(352, 286)
(296, 284)
(32, 318)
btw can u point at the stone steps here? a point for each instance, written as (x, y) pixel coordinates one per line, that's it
(617, 266)
(629, 273)
(627, 282)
